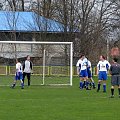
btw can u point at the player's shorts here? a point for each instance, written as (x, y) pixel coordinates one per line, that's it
(102, 75)
(83, 73)
(19, 76)
(115, 80)
(89, 73)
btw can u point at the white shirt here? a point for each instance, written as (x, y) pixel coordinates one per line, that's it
(18, 67)
(89, 65)
(82, 64)
(27, 68)
(103, 65)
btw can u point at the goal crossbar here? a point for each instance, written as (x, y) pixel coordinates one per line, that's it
(34, 42)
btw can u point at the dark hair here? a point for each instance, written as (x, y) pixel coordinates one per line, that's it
(27, 56)
(17, 59)
(115, 59)
(82, 55)
(103, 57)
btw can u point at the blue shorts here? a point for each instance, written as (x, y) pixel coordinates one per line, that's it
(83, 73)
(18, 76)
(102, 75)
(89, 73)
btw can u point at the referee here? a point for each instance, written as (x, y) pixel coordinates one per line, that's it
(115, 76)
(27, 69)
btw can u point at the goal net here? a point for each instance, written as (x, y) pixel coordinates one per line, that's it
(52, 61)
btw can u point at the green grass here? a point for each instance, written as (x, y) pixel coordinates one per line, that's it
(58, 103)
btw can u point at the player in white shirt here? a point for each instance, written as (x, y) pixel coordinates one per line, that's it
(18, 74)
(102, 67)
(82, 71)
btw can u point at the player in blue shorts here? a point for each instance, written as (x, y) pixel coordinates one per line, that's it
(102, 67)
(92, 83)
(82, 71)
(18, 74)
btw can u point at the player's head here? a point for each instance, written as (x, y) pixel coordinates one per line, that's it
(28, 57)
(82, 56)
(17, 60)
(102, 57)
(115, 59)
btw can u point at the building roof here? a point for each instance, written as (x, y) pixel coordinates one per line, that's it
(27, 21)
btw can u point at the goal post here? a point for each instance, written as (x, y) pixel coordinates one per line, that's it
(52, 61)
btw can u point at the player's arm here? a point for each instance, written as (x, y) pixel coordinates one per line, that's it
(109, 65)
(31, 65)
(98, 65)
(23, 66)
(110, 70)
(78, 70)
(78, 67)
(89, 64)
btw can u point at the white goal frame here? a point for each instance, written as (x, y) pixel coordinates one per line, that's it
(55, 43)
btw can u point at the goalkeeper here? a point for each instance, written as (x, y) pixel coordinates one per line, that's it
(115, 76)
(18, 74)
(27, 69)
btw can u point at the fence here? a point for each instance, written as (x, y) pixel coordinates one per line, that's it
(49, 70)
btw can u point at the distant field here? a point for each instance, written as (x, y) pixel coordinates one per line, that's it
(57, 103)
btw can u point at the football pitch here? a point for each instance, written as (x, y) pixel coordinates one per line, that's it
(58, 103)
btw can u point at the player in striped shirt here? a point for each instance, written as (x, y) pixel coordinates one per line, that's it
(102, 67)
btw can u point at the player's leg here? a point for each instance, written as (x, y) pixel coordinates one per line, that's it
(104, 81)
(22, 84)
(112, 91)
(28, 77)
(14, 83)
(15, 80)
(104, 85)
(99, 81)
(87, 84)
(86, 80)
(85, 77)
(119, 86)
(89, 80)
(99, 84)
(93, 83)
(119, 90)
(81, 81)
(21, 80)
(24, 74)
(113, 83)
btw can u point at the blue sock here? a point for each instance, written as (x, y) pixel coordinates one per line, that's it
(22, 85)
(84, 84)
(104, 87)
(87, 83)
(93, 83)
(81, 84)
(99, 86)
